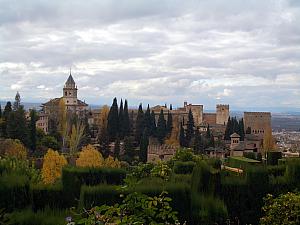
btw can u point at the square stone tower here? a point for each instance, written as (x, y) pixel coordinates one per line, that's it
(222, 114)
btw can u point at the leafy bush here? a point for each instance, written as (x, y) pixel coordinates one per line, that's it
(208, 210)
(273, 157)
(14, 192)
(46, 217)
(183, 167)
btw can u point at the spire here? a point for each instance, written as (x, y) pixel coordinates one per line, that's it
(70, 81)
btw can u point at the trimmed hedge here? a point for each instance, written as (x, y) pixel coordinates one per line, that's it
(276, 171)
(293, 171)
(14, 192)
(98, 195)
(74, 177)
(208, 210)
(51, 196)
(242, 162)
(183, 167)
(273, 157)
(181, 178)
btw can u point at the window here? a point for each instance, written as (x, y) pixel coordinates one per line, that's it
(66, 93)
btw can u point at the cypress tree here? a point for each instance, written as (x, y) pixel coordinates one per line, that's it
(140, 124)
(103, 139)
(228, 129)
(212, 141)
(17, 126)
(32, 129)
(129, 149)
(121, 120)
(0, 111)
(169, 124)
(190, 128)
(6, 112)
(181, 136)
(171, 107)
(126, 121)
(148, 119)
(152, 131)
(241, 129)
(17, 102)
(208, 133)
(161, 127)
(197, 145)
(113, 121)
(144, 146)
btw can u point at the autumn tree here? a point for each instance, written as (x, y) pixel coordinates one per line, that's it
(268, 141)
(89, 157)
(14, 148)
(110, 162)
(174, 137)
(76, 137)
(52, 166)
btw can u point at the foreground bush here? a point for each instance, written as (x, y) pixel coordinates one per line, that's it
(52, 166)
(283, 210)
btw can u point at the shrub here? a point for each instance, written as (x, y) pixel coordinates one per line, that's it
(181, 178)
(183, 167)
(293, 171)
(73, 178)
(45, 217)
(214, 163)
(110, 162)
(14, 192)
(89, 157)
(208, 210)
(52, 166)
(44, 196)
(273, 157)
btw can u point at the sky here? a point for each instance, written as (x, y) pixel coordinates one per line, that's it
(242, 53)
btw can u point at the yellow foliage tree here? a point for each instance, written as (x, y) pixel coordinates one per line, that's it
(14, 148)
(174, 137)
(52, 166)
(76, 137)
(110, 162)
(89, 157)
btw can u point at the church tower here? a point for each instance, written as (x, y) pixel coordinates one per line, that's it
(70, 92)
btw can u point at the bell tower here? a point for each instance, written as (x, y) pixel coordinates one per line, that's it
(70, 92)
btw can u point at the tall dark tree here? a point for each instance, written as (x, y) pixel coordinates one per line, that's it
(190, 128)
(212, 141)
(17, 102)
(126, 121)
(103, 139)
(32, 129)
(171, 107)
(144, 146)
(198, 144)
(228, 130)
(17, 126)
(113, 121)
(117, 148)
(169, 124)
(208, 132)
(148, 119)
(0, 111)
(121, 120)
(129, 151)
(152, 131)
(182, 140)
(161, 127)
(140, 124)
(5, 115)
(241, 129)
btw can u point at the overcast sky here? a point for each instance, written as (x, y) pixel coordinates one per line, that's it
(244, 53)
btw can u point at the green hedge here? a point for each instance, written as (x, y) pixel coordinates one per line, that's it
(14, 192)
(293, 171)
(181, 178)
(242, 162)
(183, 167)
(48, 196)
(45, 217)
(253, 155)
(276, 171)
(207, 209)
(73, 178)
(205, 179)
(273, 157)
(98, 195)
